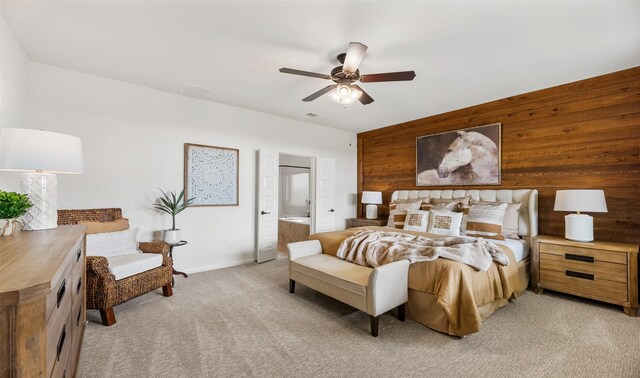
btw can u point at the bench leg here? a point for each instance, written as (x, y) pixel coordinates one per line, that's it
(401, 312)
(108, 317)
(167, 291)
(292, 286)
(374, 325)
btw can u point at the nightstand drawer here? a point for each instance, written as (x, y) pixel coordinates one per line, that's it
(570, 262)
(586, 253)
(584, 283)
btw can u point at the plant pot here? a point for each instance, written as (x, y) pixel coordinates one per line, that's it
(8, 226)
(172, 236)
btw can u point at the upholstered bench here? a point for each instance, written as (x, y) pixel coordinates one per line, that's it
(372, 290)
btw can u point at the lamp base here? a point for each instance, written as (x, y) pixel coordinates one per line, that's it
(578, 227)
(372, 211)
(42, 191)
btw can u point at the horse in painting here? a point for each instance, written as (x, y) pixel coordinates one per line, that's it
(472, 158)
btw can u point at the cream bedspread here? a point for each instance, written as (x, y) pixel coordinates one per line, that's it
(374, 248)
(460, 289)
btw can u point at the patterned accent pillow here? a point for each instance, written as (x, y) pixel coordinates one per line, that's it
(406, 204)
(486, 220)
(511, 221)
(417, 220)
(445, 223)
(397, 218)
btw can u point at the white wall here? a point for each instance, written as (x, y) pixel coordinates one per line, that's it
(133, 140)
(14, 66)
(13, 79)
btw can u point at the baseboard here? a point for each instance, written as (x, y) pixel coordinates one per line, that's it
(218, 266)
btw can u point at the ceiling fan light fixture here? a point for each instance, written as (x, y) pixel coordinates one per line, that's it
(345, 94)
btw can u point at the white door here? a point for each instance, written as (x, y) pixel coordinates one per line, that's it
(266, 247)
(325, 195)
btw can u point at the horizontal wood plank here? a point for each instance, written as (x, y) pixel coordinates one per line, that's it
(579, 135)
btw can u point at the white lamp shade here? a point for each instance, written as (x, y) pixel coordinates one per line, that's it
(36, 150)
(373, 198)
(591, 201)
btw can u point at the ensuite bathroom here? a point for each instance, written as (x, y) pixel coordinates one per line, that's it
(294, 212)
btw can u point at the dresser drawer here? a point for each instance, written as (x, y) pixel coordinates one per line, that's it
(63, 351)
(60, 289)
(77, 274)
(56, 326)
(77, 328)
(585, 253)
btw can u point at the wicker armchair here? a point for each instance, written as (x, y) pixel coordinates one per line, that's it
(103, 291)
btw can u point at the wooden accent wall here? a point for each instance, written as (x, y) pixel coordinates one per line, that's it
(580, 135)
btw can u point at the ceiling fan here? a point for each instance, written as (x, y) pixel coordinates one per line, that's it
(344, 91)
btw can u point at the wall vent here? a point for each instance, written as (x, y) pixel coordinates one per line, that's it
(194, 91)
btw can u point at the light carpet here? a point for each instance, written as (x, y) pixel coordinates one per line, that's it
(242, 321)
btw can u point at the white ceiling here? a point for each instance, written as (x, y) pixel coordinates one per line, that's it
(464, 53)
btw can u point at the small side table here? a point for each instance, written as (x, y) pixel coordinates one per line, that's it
(600, 270)
(178, 244)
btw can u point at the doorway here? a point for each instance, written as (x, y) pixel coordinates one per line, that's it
(319, 204)
(294, 199)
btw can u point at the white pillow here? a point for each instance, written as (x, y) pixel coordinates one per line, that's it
(445, 223)
(109, 244)
(416, 220)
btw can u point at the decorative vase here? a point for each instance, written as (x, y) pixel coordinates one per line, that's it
(8, 226)
(172, 236)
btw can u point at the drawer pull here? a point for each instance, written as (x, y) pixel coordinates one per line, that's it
(588, 259)
(78, 254)
(61, 291)
(78, 317)
(585, 276)
(63, 336)
(79, 286)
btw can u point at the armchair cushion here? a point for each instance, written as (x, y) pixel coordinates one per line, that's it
(111, 244)
(128, 265)
(102, 227)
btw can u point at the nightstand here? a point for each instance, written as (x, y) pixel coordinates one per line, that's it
(360, 222)
(604, 271)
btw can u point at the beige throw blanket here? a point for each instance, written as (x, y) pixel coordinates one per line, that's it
(375, 248)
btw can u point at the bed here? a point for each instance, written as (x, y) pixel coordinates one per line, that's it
(452, 297)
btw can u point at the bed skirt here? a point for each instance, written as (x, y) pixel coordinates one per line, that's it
(424, 308)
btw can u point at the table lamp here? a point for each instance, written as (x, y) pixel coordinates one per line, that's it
(579, 227)
(41, 155)
(372, 199)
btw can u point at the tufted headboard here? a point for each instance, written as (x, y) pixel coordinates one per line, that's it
(528, 226)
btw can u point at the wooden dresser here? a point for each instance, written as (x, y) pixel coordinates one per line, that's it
(42, 302)
(599, 270)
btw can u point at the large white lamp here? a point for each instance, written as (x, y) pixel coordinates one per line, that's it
(41, 154)
(372, 199)
(579, 227)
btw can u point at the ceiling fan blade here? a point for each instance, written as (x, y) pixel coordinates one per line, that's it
(365, 99)
(304, 73)
(389, 76)
(355, 53)
(319, 93)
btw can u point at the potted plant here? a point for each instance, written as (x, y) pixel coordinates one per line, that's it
(172, 205)
(12, 206)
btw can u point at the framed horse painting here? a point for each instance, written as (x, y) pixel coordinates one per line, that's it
(462, 157)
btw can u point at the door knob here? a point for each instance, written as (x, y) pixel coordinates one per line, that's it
(264, 212)
(331, 211)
